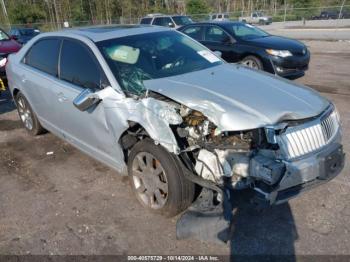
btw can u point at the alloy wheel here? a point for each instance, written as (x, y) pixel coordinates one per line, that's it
(150, 180)
(250, 63)
(25, 113)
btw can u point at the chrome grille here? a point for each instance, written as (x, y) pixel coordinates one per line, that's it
(300, 140)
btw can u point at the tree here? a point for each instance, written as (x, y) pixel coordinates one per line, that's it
(197, 7)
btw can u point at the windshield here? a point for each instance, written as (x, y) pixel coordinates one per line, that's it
(136, 58)
(246, 31)
(182, 20)
(28, 32)
(3, 36)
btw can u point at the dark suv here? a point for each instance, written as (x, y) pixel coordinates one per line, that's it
(23, 35)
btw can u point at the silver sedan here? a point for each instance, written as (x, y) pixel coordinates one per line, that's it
(161, 108)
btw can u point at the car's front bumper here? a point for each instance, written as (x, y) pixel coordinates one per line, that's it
(290, 67)
(304, 174)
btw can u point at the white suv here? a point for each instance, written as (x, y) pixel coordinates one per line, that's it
(174, 21)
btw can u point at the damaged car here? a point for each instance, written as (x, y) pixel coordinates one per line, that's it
(154, 104)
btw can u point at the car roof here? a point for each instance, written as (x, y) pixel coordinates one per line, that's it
(216, 23)
(160, 15)
(100, 33)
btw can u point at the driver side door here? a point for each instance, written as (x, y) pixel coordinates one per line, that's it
(216, 39)
(88, 130)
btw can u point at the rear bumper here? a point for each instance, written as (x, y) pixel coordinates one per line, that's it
(304, 174)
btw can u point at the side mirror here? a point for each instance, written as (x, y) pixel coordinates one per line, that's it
(13, 37)
(86, 99)
(228, 41)
(171, 25)
(218, 53)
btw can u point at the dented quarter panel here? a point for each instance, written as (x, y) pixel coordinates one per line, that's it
(237, 98)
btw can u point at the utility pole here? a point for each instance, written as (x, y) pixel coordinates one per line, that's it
(341, 9)
(285, 10)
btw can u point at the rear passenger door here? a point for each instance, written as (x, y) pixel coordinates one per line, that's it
(79, 69)
(39, 78)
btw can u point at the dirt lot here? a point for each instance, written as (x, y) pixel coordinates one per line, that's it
(67, 203)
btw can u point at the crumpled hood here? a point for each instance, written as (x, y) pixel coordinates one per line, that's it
(237, 98)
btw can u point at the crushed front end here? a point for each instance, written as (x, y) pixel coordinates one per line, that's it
(277, 162)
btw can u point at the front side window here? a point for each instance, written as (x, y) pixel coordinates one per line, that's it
(194, 31)
(134, 59)
(246, 31)
(43, 55)
(163, 21)
(215, 34)
(182, 20)
(79, 66)
(146, 21)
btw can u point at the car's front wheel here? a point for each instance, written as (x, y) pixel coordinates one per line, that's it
(27, 116)
(157, 179)
(252, 62)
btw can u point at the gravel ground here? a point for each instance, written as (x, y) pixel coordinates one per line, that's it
(67, 203)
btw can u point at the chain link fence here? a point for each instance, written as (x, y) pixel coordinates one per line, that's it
(278, 15)
(289, 13)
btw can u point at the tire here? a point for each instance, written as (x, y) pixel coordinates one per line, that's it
(252, 62)
(27, 115)
(262, 22)
(165, 190)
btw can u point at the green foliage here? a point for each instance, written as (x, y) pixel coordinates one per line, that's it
(50, 14)
(197, 7)
(24, 13)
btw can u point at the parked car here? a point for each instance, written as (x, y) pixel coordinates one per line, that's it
(23, 35)
(174, 21)
(159, 107)
(7, 46)
(219, 17)
(256, 18)
(324, 15)
(253, 47)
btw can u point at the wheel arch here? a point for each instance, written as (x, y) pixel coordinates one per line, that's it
(15, 92)
(138, 130)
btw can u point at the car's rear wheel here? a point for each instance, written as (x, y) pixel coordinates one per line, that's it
(252, 62)
(27, 116)
(157, 179)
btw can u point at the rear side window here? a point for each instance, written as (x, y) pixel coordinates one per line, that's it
(163, 21)
(146, 21)
(80, 67)
(44, 56)
(194, 31)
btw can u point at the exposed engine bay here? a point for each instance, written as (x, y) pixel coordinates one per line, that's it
(244, 158)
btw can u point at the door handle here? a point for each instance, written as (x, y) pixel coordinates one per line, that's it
(62, 97)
